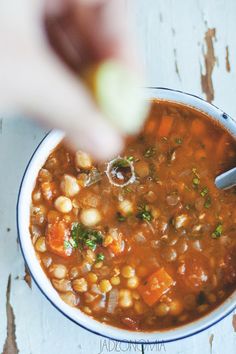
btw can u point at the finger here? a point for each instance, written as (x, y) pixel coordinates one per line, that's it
(98, 29)
(57, 97)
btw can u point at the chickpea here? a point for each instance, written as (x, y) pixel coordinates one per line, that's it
(162, 309)
(92, 277)
(125, 207)
(87, 310)
(40, 245)
(62, 285)
(45, 175)
(176, 307)
(83, 160)
(180, 221)
(58, 271)
(47, 261)
(63, 204)
(90, 217)
(74, 272)
(142, 169)
(156, 213)
(107, 240)
(125, 298)
(203, 308)
(98, 265)
(127, 271)
(115, 280)
(69, 186)
(135, 295)
(37, 196)
(70, 298)
(140, 307)
(89, 256)
(38, 214)
(105, 286)
(133, 282)
(211, 298)
(80, 285)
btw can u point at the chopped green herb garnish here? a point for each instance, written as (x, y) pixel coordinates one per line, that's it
(127, 190)
(122, 162)
(84, 237)
(130, 158)
(144, 213)
(150, 152)
(120, 217)
(179, 141)
(204, 192)
(67, 245)
(74, 234)
(100, 257)
(196, 181)
(207, 203)
(218, 231)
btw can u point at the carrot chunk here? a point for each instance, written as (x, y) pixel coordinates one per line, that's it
(117, 246)
(57, 238)
(165, 126)
(197, 127)
(150, 126)
(157, 284)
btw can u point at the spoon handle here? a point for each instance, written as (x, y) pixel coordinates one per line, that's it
(226, 180)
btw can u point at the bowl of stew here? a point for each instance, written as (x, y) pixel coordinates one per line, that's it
(142, 247)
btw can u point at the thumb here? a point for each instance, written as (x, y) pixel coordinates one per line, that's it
(54, 95)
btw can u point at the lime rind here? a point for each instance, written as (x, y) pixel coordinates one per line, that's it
(119, 95)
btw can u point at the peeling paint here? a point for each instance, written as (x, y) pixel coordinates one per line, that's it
(227, 62)
(27, 277)
(211, 338)
(234, 322)
(209, 61)
(10, 346)
(176, 64)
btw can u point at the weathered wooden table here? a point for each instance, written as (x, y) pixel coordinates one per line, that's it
(186, 44)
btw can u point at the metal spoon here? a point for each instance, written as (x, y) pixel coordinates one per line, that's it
(226, 180)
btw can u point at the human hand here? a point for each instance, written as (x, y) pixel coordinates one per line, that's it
(33, 79)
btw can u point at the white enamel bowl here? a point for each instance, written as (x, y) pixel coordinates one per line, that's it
(23, 216)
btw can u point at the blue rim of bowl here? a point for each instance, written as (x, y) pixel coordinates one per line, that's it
(140, 342)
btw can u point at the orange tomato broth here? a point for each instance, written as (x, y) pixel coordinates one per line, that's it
(157, 253)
